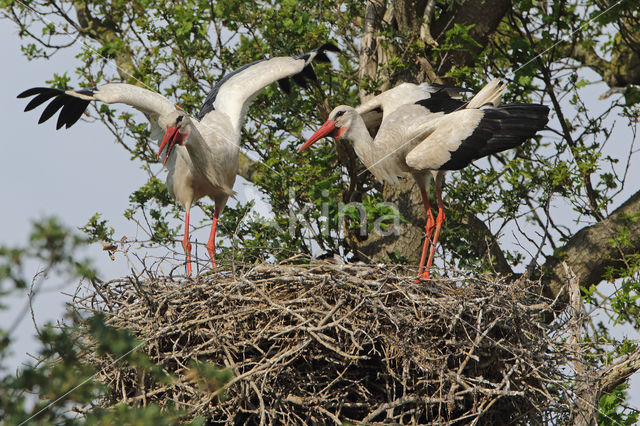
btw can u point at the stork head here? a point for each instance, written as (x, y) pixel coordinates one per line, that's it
(337, 125)
(178, 128)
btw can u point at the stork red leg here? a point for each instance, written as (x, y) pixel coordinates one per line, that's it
(211, 245)
(186, 244)
(439, 221)
(429, 229)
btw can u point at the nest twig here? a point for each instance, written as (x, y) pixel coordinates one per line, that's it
(330, 344)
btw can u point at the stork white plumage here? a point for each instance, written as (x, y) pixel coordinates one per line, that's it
(205, 158)
(441, 97)
(428, 136)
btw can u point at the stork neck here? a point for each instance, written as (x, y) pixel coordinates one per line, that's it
(199, 151)
(244, 109)
(235, 112)
(362, 142)
(194, 142)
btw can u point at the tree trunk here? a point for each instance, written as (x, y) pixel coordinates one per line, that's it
(406, 242)
(408, 17)
(589, 253)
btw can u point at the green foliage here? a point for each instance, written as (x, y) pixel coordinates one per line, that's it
(624, 300)
(181, 48)
(97, 230)
(123, 414)
(154, 203)
(610, 412)
(62, 379)
(254, 238)
(59, 81)
(369, 215)
(121, 346)
(10, 268)
(54, 246)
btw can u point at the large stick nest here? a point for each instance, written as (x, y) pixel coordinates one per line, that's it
(332, 344)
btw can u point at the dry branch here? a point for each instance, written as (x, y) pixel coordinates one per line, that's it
(325, 344)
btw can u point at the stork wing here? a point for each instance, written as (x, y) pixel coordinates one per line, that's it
(75, 102)
(454, 140)
(447, 99)
(435, 97)
(235, 91)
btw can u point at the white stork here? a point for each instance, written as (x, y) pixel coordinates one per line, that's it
(205, 161)
(429, 136)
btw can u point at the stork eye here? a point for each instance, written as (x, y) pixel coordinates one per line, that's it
(179, 119)
(339, 114)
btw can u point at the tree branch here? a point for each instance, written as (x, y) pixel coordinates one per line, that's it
(600, 383)
(486, 244)
(408, 14)
(484, 15)
(619, 372)
(621, 71)
(105, 33)
(592, 250)
(374, 14)
(425, 28)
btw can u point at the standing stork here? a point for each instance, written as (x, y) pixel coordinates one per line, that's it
(201, 153)
(430, 136)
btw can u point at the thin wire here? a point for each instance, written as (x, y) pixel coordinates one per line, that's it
(533, 367)
(143, 84)
(512, 72)
(225, 138)
(80, 385)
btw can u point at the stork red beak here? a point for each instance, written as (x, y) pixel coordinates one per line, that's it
(327, 129)
(171, 137)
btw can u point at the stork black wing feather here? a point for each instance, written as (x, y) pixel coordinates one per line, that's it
(450, 89)
(303, 77)
(329, 47)
(499, 129)
(309, 73)
(72, 106)
(322, 57)
(71, 112)
(285, 85)
(77, 113)
(320, 52)
(468, 150)
(52, 108)
(300, 80)
(42, 97)
(37, 91)
(207, 105)
(441, 101)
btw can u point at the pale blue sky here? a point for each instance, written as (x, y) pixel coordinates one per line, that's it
(70, 173)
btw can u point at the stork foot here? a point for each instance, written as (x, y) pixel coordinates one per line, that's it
(426, 275)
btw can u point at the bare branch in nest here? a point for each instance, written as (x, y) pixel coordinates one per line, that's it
(327, 344)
